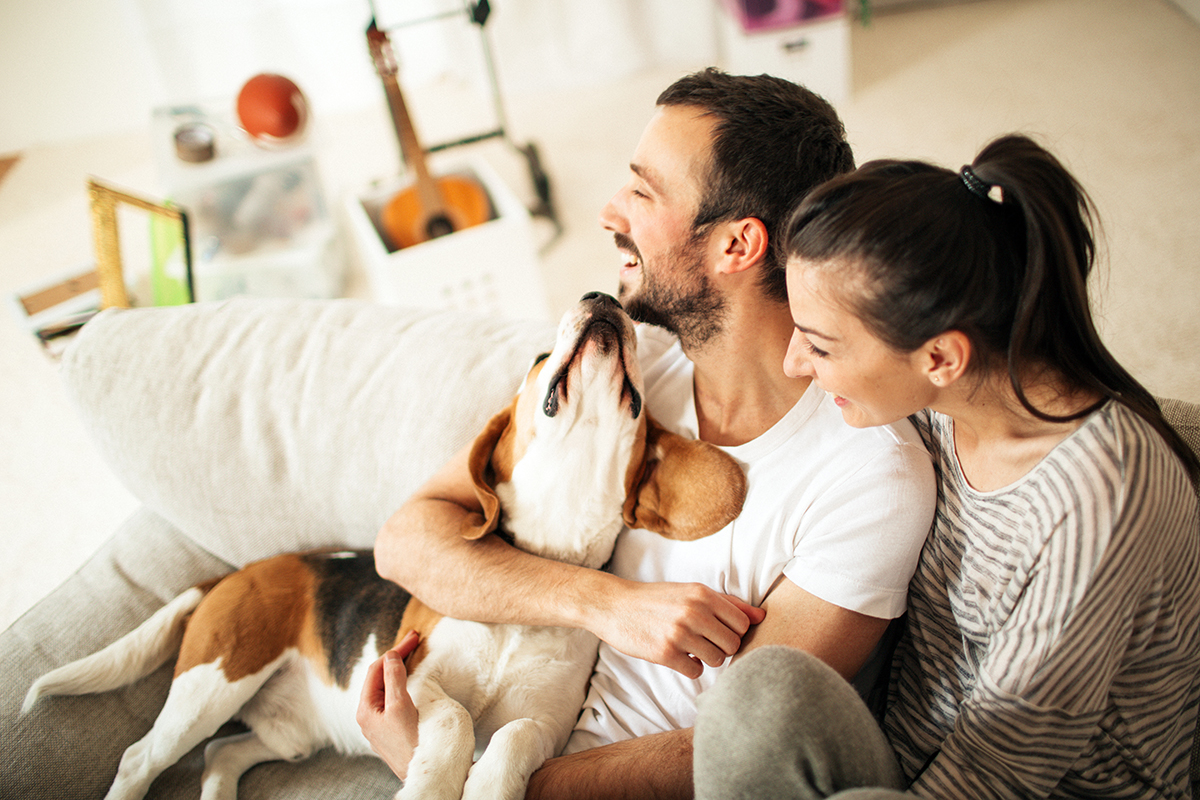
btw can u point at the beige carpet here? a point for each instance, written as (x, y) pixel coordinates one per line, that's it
(1113, 86)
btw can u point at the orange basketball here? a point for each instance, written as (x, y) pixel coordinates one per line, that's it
(272, 109)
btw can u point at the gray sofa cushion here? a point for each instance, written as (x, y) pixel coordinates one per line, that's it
(69, 747)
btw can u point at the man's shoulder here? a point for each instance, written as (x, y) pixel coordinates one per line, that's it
(879, 458)
(828, 421)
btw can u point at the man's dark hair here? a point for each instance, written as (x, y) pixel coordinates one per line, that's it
(773, 142)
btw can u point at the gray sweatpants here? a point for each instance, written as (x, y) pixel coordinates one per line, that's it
(780, 723)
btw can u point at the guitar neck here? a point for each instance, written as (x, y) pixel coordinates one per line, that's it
(410, 146)
(411, 150)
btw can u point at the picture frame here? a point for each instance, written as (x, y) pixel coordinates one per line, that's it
(165, 277)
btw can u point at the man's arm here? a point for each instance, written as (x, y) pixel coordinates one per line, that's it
(842, 638)
(658, 766)
(661, 765)
(680, 626)
(653, 766)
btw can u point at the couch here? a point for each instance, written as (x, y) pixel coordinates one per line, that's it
(247, 428)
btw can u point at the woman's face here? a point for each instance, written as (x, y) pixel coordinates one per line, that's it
(869, 381)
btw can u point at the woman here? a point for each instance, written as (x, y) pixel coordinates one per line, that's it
(1053, 630)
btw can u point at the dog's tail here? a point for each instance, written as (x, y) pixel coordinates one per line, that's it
(133, 656)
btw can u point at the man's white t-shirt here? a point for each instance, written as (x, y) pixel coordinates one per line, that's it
(841, 512)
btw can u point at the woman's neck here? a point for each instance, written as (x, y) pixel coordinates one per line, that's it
(996, 438)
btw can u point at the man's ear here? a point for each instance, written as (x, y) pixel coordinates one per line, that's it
(946, 357)
(688, 489)
(489, 463)
(744, 243)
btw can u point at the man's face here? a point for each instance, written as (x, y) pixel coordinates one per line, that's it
(664, 277)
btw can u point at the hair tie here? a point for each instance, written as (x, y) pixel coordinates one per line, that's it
(981, 188)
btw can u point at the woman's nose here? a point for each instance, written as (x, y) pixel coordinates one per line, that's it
(796, 363)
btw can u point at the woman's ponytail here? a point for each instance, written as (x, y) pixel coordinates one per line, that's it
(1001, 250)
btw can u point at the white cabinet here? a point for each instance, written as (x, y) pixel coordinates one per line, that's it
(815, 54)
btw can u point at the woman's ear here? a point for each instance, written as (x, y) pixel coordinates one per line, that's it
(946, 357)
(744, 244)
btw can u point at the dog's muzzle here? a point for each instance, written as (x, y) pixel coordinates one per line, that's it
(605, 328)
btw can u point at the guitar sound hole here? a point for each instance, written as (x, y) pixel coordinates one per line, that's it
(438, 226)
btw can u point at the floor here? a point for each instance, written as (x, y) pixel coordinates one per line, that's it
(1112, 86)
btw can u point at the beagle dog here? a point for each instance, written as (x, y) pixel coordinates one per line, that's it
(284, 643)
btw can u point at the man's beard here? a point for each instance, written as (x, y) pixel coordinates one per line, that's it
(693, 310)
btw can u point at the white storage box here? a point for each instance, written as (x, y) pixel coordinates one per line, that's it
(259, 222)
(489, 267)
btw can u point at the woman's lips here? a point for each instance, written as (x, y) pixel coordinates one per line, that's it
(838, 400)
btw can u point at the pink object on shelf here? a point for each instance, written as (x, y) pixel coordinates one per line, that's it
(761, 15)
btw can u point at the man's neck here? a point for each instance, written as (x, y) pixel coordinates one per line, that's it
(740, 388)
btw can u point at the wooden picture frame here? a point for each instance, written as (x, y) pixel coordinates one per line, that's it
(105, 202)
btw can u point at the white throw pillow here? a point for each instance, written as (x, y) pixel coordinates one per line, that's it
(262, 426)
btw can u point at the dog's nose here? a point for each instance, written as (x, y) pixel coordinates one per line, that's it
(601, 297)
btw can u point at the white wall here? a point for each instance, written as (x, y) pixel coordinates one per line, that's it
(69, 67)
(81, 68)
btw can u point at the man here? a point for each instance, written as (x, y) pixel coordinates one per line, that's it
(834, 518)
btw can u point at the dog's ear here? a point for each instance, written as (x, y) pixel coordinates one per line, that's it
(687, 489)
(488, 466)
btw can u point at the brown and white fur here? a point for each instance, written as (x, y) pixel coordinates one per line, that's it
(283, 644)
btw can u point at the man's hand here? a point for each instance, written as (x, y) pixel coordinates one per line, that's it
(678, 625)
(386, 713)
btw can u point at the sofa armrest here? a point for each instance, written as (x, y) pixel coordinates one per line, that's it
(1184, 417)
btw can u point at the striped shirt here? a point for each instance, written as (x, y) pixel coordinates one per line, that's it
(1053, 646)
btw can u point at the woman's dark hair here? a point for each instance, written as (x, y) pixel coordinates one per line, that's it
(1000, 251)
(773, 142)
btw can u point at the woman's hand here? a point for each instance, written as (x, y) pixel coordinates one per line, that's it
(386, 713)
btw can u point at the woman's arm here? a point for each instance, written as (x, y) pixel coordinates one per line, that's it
(1083, 657)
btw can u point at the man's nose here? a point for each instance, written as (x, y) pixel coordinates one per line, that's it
(611, 217)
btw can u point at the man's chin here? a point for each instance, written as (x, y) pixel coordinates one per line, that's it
(646, 314)
(627, 296)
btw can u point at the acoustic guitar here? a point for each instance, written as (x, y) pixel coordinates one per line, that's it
(431, 207)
